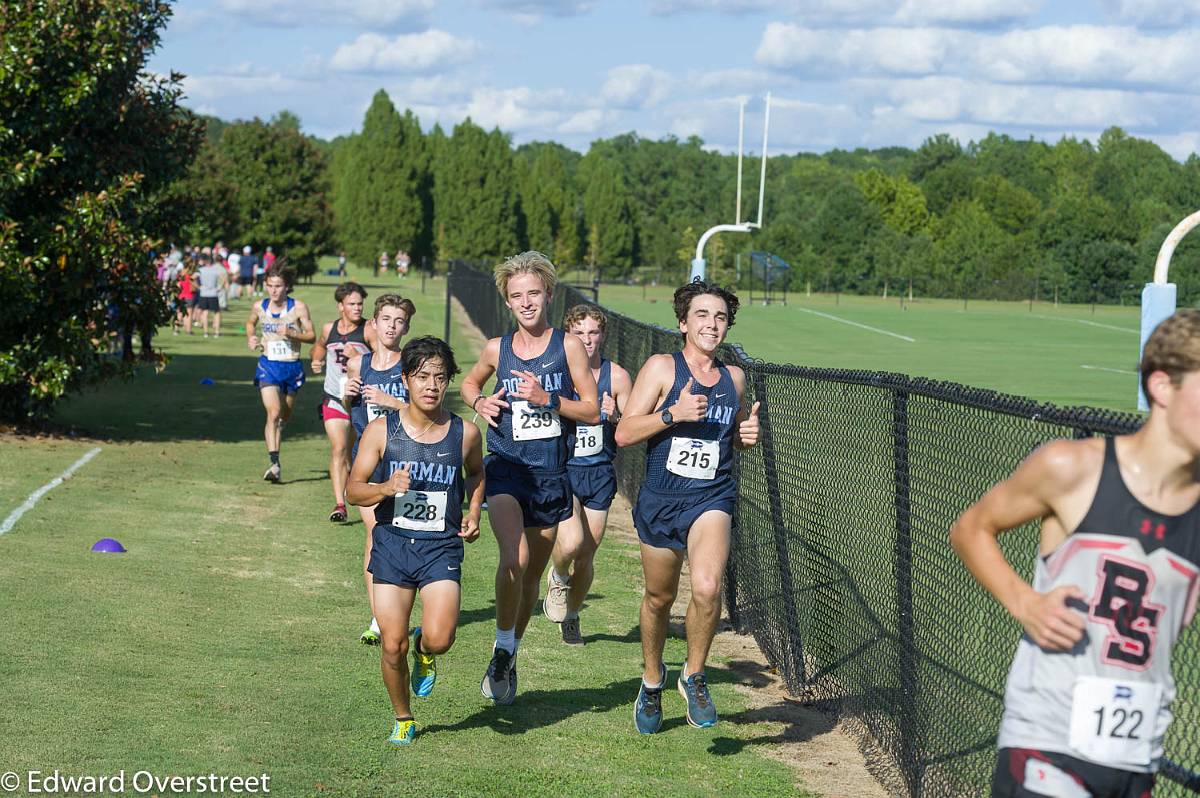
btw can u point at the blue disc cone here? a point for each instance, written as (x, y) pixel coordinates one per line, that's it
(108, 545)
(206, 381)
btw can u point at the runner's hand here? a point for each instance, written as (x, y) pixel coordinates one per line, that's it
(1049, 622)
(398, 483)
(354, 387)
(530, 389)
(490, 406)
(252, 342)
(317, 365)
(608, 405)
(691, 406)
(470, 529)
(748, 429)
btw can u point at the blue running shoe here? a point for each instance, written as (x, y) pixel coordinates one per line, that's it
(403, 732)
(647, 711)
(424, 669)
(700, 710)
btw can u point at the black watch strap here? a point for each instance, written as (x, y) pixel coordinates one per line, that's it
(667, 418)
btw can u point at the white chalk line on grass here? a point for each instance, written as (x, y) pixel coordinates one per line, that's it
(1114, 371)
(16, 514)
(856, 324)
(1092, 324)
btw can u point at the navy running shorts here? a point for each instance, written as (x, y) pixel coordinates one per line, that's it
(286, 374)
(594, 485)
(544, 496)
(663, 520)
(1026, 773)
(397, 559)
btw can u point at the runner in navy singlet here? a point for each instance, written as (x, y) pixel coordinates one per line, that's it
(374, 388)
(410, 467)
(538, 372)
(688, 408)
(346, 339)
(593, 480)
(1116, 580)
(285, 325)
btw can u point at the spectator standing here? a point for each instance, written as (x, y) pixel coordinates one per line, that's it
(212, 279)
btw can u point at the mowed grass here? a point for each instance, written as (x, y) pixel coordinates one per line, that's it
(1065, 355)
(225, 640)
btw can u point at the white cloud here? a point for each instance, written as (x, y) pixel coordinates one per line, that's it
(585, 122)
(636, 86)
(242, 81)
(413, 52)
(965, 12)
(1155, 13)
(900, 51)
(387, 14)
(850, 12)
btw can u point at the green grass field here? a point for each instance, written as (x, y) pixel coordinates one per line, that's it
(225, 640)
(1065, 354)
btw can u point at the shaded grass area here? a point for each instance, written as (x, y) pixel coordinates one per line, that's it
(225, 640)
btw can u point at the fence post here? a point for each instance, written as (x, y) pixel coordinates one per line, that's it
(910, 745)
(795, 673)
(449, 272)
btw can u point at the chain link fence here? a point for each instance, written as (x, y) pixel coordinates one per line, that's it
(841, 566)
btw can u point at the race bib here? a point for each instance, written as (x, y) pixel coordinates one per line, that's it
(1112, 720)
(589, 440)
(374, 411)
(420, 510)
(279, 350)
(694, 458)
(531, 423)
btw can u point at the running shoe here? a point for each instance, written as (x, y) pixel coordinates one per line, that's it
(500, 681)
(338, 516)
(555, 604)
(424, 669)
(403, 732)
(369, 637)
(700, 710)
(647, 710)
(570, 631)
(273, 473)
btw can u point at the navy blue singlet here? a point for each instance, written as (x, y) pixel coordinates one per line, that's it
(432, 507)
(608, 431)
(542, 453)
(363, 413)
(689, 452)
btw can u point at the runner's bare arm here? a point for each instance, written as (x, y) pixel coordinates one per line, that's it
(1031, 492)
(318, 350)
(642, 420)
(473, 466)
(622, 386)
(746, 424)
(306, 334)
(251, 324)
(359, 490)
(471, 390)
(586, 408)
(353, 382)
(370, 335)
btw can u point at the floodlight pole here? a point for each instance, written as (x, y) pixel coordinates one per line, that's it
(1159, 297)
(699, 265)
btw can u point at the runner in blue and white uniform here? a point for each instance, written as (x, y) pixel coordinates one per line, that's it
(415, 467)
(593, 480)
(373, 389)
(538, 370)
(688, 408)
(1117, 577)
(285, 325)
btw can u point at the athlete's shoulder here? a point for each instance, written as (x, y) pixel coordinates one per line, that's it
(471, 433)
(1062, 465)
(619, 376)
(661, 365)
(491, 350)
(573, 346)
(737, 374)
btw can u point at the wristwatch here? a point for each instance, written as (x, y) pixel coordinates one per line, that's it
(554, 402)
(667, 418)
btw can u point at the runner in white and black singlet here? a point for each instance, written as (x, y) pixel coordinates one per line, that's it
(593, 480)
(410, 467)
(342, 341)
(687, 407)
(374, 388)
(538, 372)
(1117, 577)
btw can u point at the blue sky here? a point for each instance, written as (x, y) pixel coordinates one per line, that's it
(843, 73)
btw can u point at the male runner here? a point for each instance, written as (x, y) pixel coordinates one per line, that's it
(538, 369)
(374, 388)
(418, 542)
(688, 406)
(593, 480)
(285, 325)
(212, 280)
(346, 339)
(1116, 579)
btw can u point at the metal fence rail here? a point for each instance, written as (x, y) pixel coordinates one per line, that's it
(841, 566)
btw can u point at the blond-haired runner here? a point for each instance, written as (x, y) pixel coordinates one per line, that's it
(538, 370)
(285, 325)
(373, 389)
(1116, 580)
(593, 480)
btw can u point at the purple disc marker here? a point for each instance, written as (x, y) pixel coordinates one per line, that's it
(109, 545)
